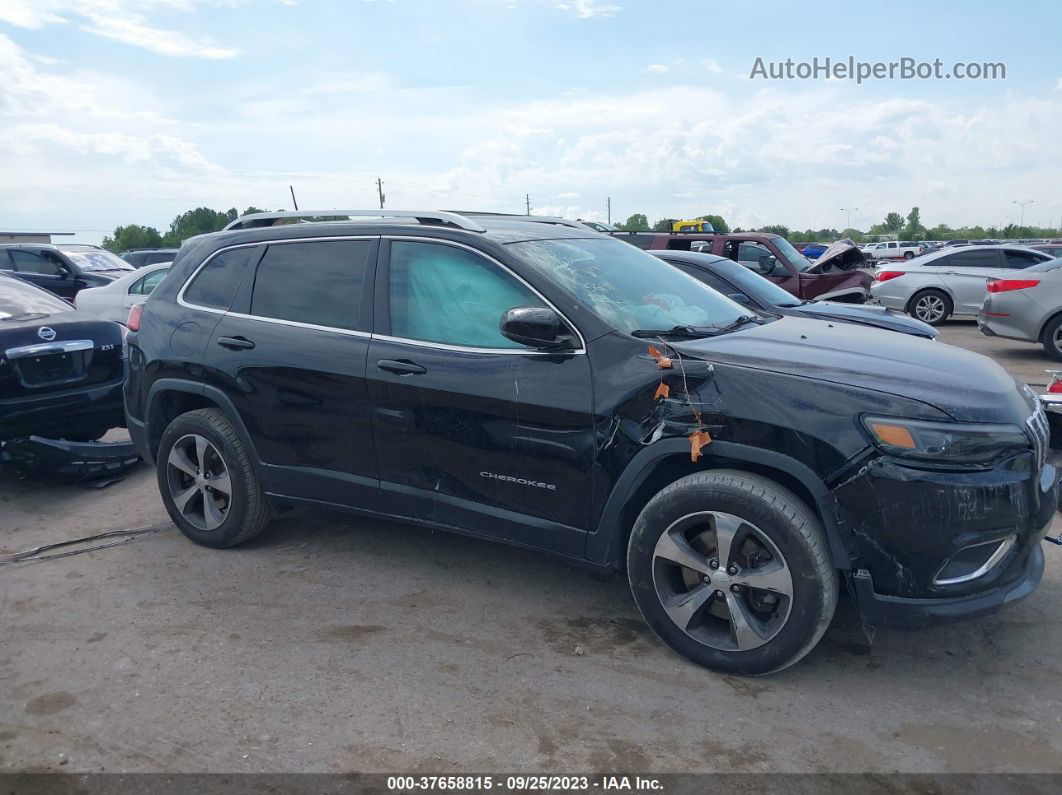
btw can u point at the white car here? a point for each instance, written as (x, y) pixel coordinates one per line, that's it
(113, 301)
(893, 249)
(952, 281)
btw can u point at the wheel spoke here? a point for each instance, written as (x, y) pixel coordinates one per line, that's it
(744, 627)
(200, 451)
(182, 498)
(683, 607)
(774, 577)
(179, 459)
(212, 515)
(222, 483)
(674, 547)
(726, 528)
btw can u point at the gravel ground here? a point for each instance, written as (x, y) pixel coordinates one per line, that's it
(336, 644)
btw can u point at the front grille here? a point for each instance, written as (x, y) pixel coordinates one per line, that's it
(1040, 433)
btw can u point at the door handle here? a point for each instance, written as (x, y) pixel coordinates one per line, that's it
(401, 367)
(235, 343)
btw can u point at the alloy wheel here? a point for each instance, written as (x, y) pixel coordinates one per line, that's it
(929, 308)
(722, 581)
(199, 482)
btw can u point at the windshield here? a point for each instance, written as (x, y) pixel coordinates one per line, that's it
(19, 298)
(796, 259)
(626, 287)
(98, 261)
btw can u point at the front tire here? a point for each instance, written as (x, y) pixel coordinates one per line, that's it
(930, 306)
(732, 571)
(207, 481)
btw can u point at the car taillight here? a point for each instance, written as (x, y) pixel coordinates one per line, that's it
(133, 321)
(884, 276)
(1055, 387)
(1006, 285)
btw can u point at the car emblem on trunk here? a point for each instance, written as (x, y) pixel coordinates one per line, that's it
(46, 334)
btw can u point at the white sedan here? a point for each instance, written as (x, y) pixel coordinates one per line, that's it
(113, 301)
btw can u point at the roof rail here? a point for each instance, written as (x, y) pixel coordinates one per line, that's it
(537, 219)
(421, 216)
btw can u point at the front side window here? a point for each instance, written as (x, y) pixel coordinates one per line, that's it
(316, 282)
(30, 262)
(216, 284)
(444, 294)
(625, 287)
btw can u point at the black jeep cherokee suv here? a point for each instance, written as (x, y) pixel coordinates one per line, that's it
(560, 389)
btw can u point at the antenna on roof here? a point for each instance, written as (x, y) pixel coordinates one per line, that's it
(292, 189)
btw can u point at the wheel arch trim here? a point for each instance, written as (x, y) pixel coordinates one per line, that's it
(606, 544)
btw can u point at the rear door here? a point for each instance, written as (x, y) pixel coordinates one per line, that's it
(290, 353)
(966, 273)
(473, 430)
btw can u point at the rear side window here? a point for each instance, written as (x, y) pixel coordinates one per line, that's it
(145, 285)
(216, 284)
(315, 282)
(974, 258)
(641, 241)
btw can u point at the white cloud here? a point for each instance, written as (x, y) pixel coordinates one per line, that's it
(1058, 85)
(585, 9)
(711, 65)
(656, 68)
(125, 21)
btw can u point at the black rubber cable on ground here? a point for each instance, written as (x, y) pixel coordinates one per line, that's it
(120, 537)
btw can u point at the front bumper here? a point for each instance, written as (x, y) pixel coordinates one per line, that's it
(895, 611)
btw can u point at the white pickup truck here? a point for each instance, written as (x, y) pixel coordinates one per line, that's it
(892, 249)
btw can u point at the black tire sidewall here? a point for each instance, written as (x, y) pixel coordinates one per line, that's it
(809, 590)
(228, 533)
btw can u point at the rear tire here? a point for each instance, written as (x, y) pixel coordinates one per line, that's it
(930, 306)
(207, 481)
(733, 572)
(908, 255)
(1052, 338)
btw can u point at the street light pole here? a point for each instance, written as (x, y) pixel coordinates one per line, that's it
(848, 215)
(1022, 205)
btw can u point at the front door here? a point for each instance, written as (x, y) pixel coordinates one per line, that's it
(290, 354)
(472, 430)
(44, 269)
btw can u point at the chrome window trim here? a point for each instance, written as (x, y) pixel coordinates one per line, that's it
(47, 348)
(470, 348)
(1001, 551)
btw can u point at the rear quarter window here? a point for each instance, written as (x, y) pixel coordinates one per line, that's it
(216, 283)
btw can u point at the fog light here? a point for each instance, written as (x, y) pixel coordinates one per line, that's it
(973, 561)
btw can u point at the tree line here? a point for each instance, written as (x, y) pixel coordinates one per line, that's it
(905, 228)
(188, 224)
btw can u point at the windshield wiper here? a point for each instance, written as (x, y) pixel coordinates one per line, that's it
(734, 324)
(674, 331)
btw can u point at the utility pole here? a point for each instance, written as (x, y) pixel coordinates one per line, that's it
(1022, 205)
(848, 215)
(528, 199)
(608, 209)
(379, 189)
(292, 189)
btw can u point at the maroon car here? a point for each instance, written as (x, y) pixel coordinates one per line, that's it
(837, 275)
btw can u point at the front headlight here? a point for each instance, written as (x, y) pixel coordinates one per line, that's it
(950, 442)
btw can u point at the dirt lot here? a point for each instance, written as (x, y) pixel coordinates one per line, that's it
(337, 644)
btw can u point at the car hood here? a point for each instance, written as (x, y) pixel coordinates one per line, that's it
(966, 385)
(877, 316)
(843, 254)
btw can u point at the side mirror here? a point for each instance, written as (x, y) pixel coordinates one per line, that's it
(535, 326)
(741, 298)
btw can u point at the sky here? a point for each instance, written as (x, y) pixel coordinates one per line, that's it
(132, 111)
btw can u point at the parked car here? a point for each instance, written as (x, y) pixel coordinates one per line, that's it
(62, 270)
(812, 250)
(949, 282)
(140, 257)
(61, 369)
(1053, 249)
(742, 285)
(1026, 306)
(553, 388)
(113, 301)
(835, 275)
(893, 249)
